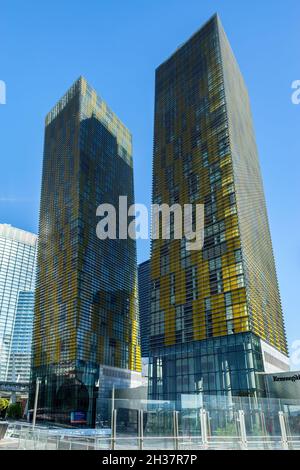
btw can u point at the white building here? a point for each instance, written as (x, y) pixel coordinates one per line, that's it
(17, 273)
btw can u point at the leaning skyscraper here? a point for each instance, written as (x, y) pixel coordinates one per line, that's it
(216, 317)
(86, 332)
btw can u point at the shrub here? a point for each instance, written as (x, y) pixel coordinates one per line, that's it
(3, 407)
(14, 411)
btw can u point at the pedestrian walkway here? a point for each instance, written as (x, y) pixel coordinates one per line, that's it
(9, 444)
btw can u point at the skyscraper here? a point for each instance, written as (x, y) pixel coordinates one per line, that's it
(17, 273)
(20, 353)
(86, 332)
(216, 316)
(144, 284)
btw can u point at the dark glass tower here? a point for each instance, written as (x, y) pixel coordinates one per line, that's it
(86, 332)
(144, 305)
(216, 317)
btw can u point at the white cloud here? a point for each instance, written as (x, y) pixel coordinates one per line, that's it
(14, 199)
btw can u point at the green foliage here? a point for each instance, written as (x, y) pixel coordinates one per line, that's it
(257, 431)
(3, 404)
(228, 430)
(14, 411)
(3, 407)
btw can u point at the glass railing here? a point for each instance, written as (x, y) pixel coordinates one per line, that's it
(209, 423)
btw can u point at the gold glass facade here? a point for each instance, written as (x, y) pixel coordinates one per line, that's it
(210, 308)
(86, 299)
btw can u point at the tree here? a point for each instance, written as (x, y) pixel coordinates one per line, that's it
(14, 411)
(3, 407)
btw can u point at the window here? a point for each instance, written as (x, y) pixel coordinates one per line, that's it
(238, 255)
(172, 289)
(241, 281)
(164, 264)
(184, 254)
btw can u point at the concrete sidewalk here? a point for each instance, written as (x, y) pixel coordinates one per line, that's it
(9, 444)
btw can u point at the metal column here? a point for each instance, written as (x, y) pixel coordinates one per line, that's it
(113, 429)
(203, 423)
(285, 443)
(175, 429)
(243, 434)
(140, 429)
(36, 398)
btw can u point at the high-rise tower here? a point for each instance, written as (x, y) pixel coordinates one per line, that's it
(86, 334)
(216, 316)
(17, 273)
(19, 367)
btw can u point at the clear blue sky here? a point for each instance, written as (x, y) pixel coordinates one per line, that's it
(116, 45)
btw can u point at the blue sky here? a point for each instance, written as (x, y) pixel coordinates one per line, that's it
(117, 45)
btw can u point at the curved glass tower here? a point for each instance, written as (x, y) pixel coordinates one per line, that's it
(20, 353)
(17, 273)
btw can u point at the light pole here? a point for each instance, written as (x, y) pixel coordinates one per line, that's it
(36, 398)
